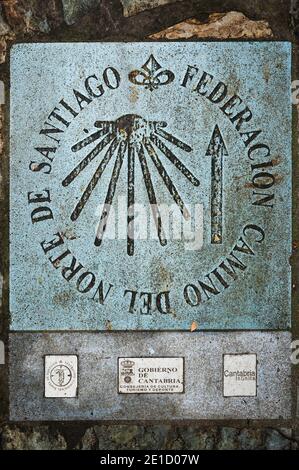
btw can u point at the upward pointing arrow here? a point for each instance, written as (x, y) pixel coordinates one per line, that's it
(216, 150)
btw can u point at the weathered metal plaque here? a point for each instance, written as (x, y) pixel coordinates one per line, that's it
(150, 186)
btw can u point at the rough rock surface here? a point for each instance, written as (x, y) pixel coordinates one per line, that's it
(19, 18)
(73, 10)
(231, 25)
(4, 28)
(32, 15)
(5, 35)
(163, 437)
(39, 438)
(132, 7)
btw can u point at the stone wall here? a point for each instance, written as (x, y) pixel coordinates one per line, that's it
(96, 20)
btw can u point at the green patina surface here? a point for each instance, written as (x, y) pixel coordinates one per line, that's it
(201, 131)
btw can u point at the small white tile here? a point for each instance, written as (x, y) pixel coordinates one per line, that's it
(61, 376)
(150, 374)
(239, 375)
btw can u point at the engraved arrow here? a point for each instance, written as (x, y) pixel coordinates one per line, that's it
(216, 150)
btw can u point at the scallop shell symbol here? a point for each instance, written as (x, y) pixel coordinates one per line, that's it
(133, 138)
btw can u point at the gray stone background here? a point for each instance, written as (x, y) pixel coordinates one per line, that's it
(96, 20)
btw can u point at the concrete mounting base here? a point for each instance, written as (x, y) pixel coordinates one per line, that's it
(98, 397)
